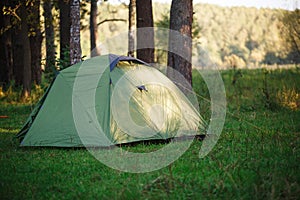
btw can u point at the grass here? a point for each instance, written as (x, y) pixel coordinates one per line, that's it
(256, 157)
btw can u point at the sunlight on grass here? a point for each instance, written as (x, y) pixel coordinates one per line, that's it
(9, 130)
(12, 96)
(289, 98)
(256, 157)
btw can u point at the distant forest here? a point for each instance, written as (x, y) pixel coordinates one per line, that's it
(39, 38)
(251, 36)
(236, 36)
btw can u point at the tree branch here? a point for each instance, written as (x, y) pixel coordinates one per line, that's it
(111, 20)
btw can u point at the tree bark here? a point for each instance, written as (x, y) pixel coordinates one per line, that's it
(35, 41)
(94, 28)
(18, 53)
(22, 52)
(180, 49)
(75, 49)
(131, 25)
(145, 37)
(49, 33)
(64, 29)
(6, 53)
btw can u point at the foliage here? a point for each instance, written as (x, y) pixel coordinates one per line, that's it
(237, 36)
(12, 96)
(161, 41)
(165, 23)
(257, 156)
(254, 35)
(289, 98)
(248, 33)
(64, 62)
(291, 31)
(21, 41)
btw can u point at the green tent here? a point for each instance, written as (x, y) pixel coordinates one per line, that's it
(109, 100)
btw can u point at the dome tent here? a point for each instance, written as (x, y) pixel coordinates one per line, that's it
(107, 100)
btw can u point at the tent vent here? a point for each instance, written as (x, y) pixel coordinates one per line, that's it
(141, 88)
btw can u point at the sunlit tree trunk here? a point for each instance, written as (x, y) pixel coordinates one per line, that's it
(131, 25)
(180, 51)
(144, 18)
(75, 49)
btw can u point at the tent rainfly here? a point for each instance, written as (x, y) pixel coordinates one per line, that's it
(108, 100)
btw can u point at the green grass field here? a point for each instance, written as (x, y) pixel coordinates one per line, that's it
(256, 157)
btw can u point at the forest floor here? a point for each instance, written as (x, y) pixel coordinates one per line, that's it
(256, 157)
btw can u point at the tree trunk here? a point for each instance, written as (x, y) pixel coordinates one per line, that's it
(64, 29)
(131, 25)
(75, 49)
(49, 33)
(180, 49)
(22, 53)
(145, 37)
(94, 28)
(6, 54)
(35, 41)
(18, 53)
